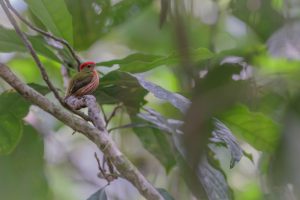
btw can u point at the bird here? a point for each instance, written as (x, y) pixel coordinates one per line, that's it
(84, 82)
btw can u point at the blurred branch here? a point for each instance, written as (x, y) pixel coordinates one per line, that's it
(100, 138)
(31, 50)
(65, 75)
(46, 34)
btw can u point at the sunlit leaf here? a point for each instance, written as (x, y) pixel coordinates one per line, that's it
(55, 16)
(257, 129)
(99, 195)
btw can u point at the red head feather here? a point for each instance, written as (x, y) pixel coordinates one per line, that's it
(86, 64)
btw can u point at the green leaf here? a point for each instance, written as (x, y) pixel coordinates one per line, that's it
(116, 87)
(139, 62)
(164, 9)
(22, 172)
(13, 108)
(12, 103)
(257, 129)
(89, 19)
(257, 18)
(165, 194)
(55, 16)
(11, 132)
(221, 134)
(92, 19)
(204, 180)
(10, 42)
(99, 195)
(156, 142)
(171, 126)
(178, 101)
(40, 88)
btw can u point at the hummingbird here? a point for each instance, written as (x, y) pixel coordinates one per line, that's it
(84, 82)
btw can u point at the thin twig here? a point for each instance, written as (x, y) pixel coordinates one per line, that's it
(113, 114)
(108, 176)
(131, 125)
(30, 48)
(47, 34)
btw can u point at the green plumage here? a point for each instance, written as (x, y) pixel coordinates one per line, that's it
(79, 80)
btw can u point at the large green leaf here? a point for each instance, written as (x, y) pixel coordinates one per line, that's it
(139, 62)
(156, 142)
(12, 103)
(22, 172)
(258, 17)
(257, 129)
(12, 109)
(93, 19)
(89, 19)
(116, 87)
(55, 16)
(11, 132)
(10, 42)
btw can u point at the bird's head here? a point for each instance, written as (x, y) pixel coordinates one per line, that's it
(87, 65)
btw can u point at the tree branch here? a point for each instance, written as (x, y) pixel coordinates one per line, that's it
(46, 34)
(100, 138)
(30, 48)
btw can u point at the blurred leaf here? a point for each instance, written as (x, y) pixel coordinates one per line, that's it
(11, 102)
(120, 87)
(156, 142)
(99, 195)
(222, 134)
(204, 180)
(165, 194)
(93, 19)
(254, 127)
(12, 110)
(259, 15)
(11, 133)
(40, 88)
(177, 100)
(139, 62)
(55, 16)
(164, 8)
(22, 172)
(89, 20)
(10, 42)
(171, 126)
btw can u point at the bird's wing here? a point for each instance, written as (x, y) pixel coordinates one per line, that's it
(78, 81)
